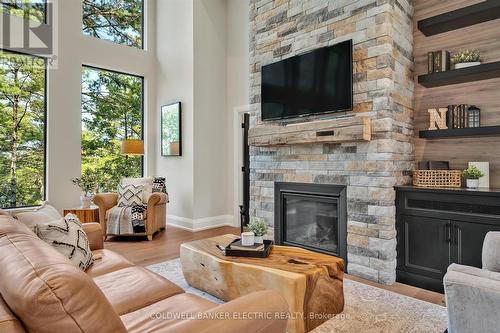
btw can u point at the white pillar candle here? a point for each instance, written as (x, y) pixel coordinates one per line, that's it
(247, 238)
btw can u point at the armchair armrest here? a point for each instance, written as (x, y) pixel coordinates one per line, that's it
(491, 251)
(157, 198)
(94, 235)
(105, 201)
(472, 299)
(258, 312)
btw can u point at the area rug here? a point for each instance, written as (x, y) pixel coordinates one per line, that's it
(367, 309)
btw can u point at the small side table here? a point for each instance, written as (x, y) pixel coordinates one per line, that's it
(85, 215)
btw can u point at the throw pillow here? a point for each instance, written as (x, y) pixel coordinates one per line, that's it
(40, 215)
(66, 235)
(159, 185)
(130, 195)
(147, 182)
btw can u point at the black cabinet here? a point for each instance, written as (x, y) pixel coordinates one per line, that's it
(439, 227)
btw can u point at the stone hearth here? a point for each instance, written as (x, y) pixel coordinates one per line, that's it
(383, 91)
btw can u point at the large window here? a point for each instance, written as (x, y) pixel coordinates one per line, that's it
(119, 21)
(112, 110)
(30, 9)
(22, 130)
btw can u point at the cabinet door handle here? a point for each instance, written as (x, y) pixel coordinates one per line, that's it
(447, 232)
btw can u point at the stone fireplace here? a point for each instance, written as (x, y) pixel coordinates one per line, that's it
(383, 92)
(312, 216)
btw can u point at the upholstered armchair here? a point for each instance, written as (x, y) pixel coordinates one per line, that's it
(154, 219)
(473, 294)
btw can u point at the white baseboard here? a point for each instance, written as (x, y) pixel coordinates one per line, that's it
(200, 224)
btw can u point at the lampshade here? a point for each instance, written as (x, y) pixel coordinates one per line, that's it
(132, 147)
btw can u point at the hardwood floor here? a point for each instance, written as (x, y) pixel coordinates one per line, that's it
(165, 246)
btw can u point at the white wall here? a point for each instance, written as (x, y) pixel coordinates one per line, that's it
(238, 92)
(175, 52)
(64, 94)
(205, 41)
(210, 135)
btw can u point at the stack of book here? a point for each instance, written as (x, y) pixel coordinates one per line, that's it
(238, 246)
(438, 61)
(457, 116)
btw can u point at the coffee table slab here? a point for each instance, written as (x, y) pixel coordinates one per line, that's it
(311, 283)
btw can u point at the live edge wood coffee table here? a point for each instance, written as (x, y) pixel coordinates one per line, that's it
(311, 283)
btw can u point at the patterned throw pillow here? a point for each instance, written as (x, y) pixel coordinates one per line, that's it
(67, 237)
(130, 195)
(160, 185)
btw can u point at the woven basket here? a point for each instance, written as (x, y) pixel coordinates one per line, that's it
(437, 178)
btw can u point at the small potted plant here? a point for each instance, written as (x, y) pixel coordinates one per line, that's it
(466, 58)
(259, 227)
(472, 175)
(88, 184)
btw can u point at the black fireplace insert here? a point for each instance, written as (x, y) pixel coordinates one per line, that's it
(312, 216)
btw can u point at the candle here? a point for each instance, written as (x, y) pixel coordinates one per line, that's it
(247, 238)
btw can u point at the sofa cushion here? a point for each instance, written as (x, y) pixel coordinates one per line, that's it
(4, 213)
(66, 235)
(45, 290)
(132, 288)
(106, 261)
(44, 214)
(157, 316)
(8, 320)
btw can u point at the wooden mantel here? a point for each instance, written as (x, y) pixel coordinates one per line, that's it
(353, 129)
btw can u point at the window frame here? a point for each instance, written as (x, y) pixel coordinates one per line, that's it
(143, 36)
(45, 14)
(142, 103)
(45, 125)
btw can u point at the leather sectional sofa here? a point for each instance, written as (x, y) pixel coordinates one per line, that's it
(42, 291)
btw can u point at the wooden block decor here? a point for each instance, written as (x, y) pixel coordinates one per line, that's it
(437, 119)
(354, 129)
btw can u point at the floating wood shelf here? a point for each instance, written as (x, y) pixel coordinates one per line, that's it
(353, 129)
(461, 132)
(469, 74)
(460, 18)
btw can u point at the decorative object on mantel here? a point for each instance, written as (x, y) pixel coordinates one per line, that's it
(437, 178)
(352, 129)
(484, 167)
(87, 183)
(437, 119)
(472, 175)
(466, 58)
(473, 116)
(259, 227)
(438, 61)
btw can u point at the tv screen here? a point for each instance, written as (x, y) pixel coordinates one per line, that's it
(316, 82)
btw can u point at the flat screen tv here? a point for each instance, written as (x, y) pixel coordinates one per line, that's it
(312, 83)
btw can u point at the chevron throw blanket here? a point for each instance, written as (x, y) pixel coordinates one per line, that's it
(126, 220)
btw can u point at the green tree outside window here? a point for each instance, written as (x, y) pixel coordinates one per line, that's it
(111, 111)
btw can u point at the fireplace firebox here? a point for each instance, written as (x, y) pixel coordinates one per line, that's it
(312, 216)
